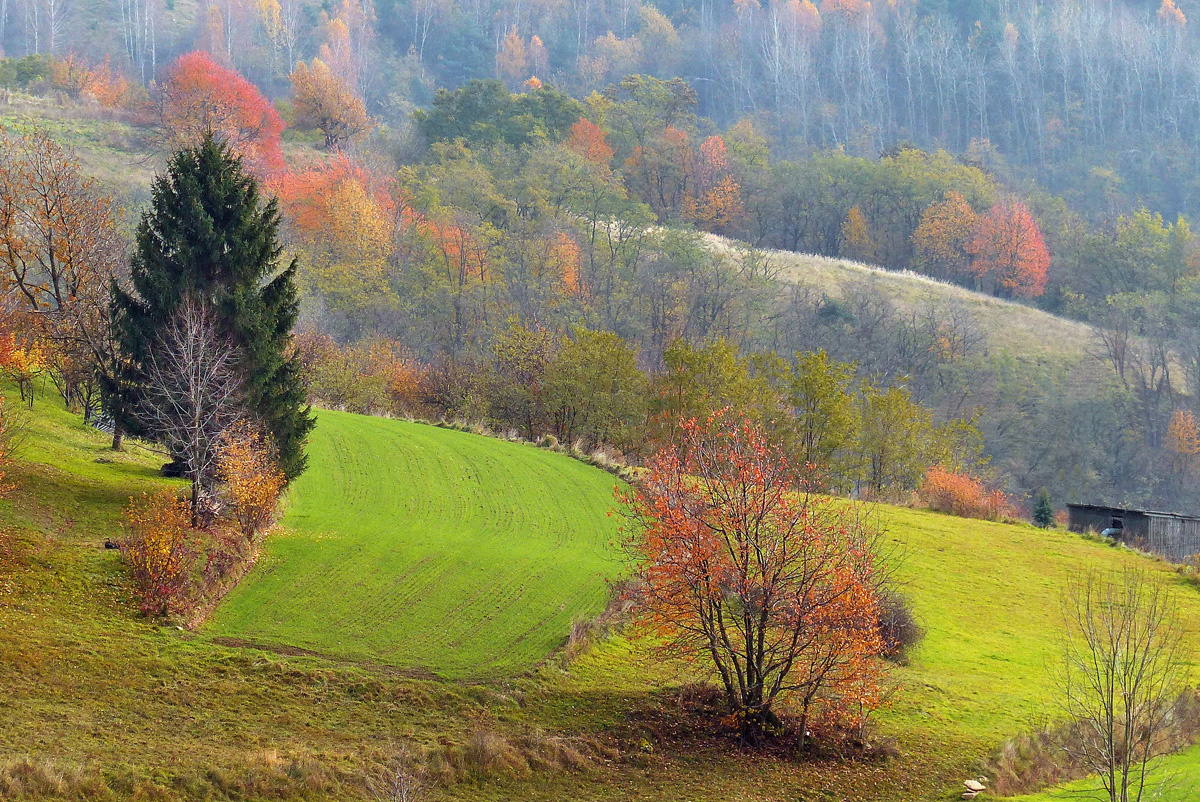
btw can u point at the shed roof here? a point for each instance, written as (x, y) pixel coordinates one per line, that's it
(1126, 510)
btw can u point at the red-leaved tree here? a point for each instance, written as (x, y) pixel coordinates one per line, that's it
(1007, 249)
(745, 570)
(198, 95)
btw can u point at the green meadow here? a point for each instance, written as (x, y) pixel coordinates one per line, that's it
(430, 549)
(410, 551)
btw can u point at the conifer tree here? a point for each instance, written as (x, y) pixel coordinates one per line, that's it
(1043, 509)
(210, 235)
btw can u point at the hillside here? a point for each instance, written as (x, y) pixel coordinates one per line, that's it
(1005, 325)
(430, 549)
(117, 153)
(122, 706)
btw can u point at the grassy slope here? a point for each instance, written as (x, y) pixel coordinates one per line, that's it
(1177, 779)
(1006, 325)
(84, 681)
(426, 548)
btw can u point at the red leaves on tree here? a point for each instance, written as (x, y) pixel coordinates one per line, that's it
(588, 141)
(743, 568)
(307, 194)
(199, 95)
(1007, 248)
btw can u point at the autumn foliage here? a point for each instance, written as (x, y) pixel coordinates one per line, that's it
(743, 569)
(103, 83)
(1183, 441)
(1007, 249)
(327, 103)
(247, 467)
(940, 240)
(22, 362)
(199, 96)
(588, 141)
(961, 494)
(159, 549)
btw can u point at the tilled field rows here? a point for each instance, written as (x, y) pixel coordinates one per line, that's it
(430, 549)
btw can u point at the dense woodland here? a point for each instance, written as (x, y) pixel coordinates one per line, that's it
(500, 214)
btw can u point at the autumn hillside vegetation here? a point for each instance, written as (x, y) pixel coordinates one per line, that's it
(296, 712)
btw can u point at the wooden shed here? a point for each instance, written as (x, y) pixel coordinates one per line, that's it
(1167, 534)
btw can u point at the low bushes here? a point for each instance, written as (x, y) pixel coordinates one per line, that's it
(963, 495)
(898, 627)
(160, 549)
(1036, 760)
(177, 568)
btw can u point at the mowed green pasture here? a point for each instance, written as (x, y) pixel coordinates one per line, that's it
(429, 549)
(1174, 779)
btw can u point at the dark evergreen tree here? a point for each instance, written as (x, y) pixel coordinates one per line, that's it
(209, 234)
(1043, 509)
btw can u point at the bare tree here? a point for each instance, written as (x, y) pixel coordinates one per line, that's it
(192, 395)
(399, 778)
(1120, 676)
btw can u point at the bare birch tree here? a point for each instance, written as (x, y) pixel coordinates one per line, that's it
(192, 395)
(1120, 676)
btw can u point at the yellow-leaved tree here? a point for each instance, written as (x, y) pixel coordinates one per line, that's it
(330, 105)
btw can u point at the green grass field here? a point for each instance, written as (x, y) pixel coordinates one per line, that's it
(430, 549)
(96, 692)
(1176, 779)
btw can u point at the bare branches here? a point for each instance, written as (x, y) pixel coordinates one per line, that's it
(1120, 677)
(399, 778)
(192, 394)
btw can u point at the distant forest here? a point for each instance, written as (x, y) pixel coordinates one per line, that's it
(490, 189)
(1096, 100)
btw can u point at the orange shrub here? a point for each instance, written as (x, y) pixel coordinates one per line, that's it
(107, 85)
(159, 550)
(247, 466)
(963, 495)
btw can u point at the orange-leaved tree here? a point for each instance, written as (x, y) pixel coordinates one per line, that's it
(588, 141)
(1183, 441)
(715, 200)
(247, 466)
(327, 103)
(60, 252)
(857, 241)
(940, 240)
(745, 569)
(103, 83)
(200, 96)
(22, 362)
(159, 550)
(1008, 250)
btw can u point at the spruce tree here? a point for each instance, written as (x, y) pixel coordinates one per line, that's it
(1043, 509)
(210, 235)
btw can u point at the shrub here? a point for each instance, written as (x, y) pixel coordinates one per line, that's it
(247, 466)
(963, 495)
(160, 551)
(898, 627)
